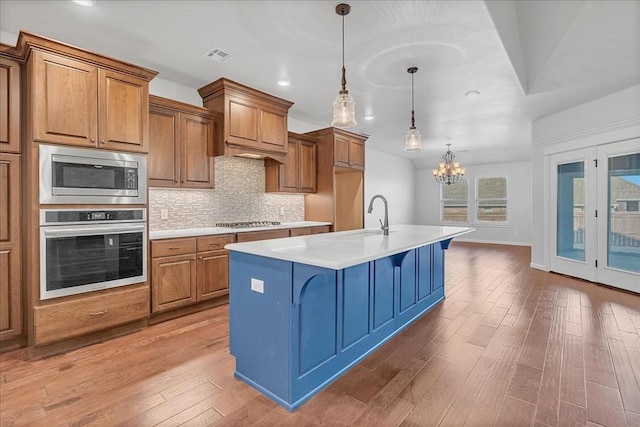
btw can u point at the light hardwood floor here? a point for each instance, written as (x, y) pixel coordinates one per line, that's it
(509, 346)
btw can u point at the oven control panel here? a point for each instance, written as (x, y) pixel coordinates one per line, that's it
(79, 216)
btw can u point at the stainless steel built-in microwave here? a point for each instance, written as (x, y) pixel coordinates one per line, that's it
(91, 176)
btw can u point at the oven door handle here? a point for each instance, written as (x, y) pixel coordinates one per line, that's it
(90, 231)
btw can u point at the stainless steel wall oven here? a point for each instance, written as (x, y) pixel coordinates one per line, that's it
(84, 250)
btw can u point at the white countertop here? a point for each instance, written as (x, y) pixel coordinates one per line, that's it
(205, 231)
(347, 248)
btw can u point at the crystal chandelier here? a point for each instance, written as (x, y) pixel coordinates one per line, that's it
(448, 172)
(412, 140)
(344, 111)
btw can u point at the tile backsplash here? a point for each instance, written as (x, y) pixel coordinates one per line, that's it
(239, 196)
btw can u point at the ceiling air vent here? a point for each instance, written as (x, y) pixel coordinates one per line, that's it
(218, 54)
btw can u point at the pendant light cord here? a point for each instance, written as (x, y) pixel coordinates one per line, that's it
(413, 119)
(344, 72)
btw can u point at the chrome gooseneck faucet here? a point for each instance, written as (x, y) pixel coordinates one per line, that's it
(385, 225)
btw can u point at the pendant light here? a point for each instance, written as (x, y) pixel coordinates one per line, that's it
(448, 172)
(344, 112)
(412, 140)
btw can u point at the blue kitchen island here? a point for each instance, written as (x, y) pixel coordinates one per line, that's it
(303, 310)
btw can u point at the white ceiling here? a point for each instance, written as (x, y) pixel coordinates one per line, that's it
(528, 59)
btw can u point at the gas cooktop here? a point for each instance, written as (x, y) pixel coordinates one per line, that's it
(247, 224)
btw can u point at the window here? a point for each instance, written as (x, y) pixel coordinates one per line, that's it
(453, 201)
(491, 199)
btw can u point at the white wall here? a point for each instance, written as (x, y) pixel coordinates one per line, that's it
(175, 91)
(614, 117)
(394, 178)
(517, 231)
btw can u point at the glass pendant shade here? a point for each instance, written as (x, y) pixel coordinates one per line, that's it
(344, 111)
(413, 140)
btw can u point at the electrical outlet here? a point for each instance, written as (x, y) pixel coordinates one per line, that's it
(257, 286)
(282, 211)
(164, 213)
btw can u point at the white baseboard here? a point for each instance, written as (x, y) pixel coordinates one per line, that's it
(492, 242)
(538, 266)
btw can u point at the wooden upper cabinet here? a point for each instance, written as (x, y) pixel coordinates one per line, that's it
(65, 100)
(163, 162)
(197, 155)
(9, 106)
(349, 151)
(85, 99)
(346, 148)
(123, 112)
(298, 173)
(254, 123)
(181, 145)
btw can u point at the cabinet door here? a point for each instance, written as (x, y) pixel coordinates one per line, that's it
(242, 122)
(164, 150)
(197, 151)
(341, 151)
(173, 282)
(9, 106)
(356, 154)
(289, 170)
(213, 274)
(273, 130)
(64, 100)
(10, 252)
(123, 112)
(307, 167)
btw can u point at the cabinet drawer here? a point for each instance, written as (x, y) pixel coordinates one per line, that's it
(212, 243)
(89, 314)
(300, 231)
(262, 235)
(160, 248)
(320, 229)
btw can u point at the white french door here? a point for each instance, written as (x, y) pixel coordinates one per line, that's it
(618, 189)
(572, 213)
(595, 215)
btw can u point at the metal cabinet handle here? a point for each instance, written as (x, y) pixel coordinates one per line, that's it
(200, 258)
(174, 247)
(98, 313)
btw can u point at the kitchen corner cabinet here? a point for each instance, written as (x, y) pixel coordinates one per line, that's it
(298, 173)
(254, 123)
(10, 248)
(339, 196)
(9, 106)
(181, 145)
(78, 103)
(187, 271)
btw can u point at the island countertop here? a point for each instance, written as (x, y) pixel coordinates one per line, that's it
(348, 248)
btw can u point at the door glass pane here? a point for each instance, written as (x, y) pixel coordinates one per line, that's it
(623, 250)
(570, 215)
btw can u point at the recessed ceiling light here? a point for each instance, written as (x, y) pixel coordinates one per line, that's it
(472, 93)
(284, 83)
(368, 117)
(85, 3)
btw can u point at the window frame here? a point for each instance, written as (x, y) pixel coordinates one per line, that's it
(442, 199)
(477, 200)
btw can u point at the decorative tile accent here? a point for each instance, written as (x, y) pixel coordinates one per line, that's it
(239, 196)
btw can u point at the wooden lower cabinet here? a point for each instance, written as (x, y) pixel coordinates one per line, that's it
(11, 321)
(187, 271)
(212, 274)
(173, 282)
(68, 319)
